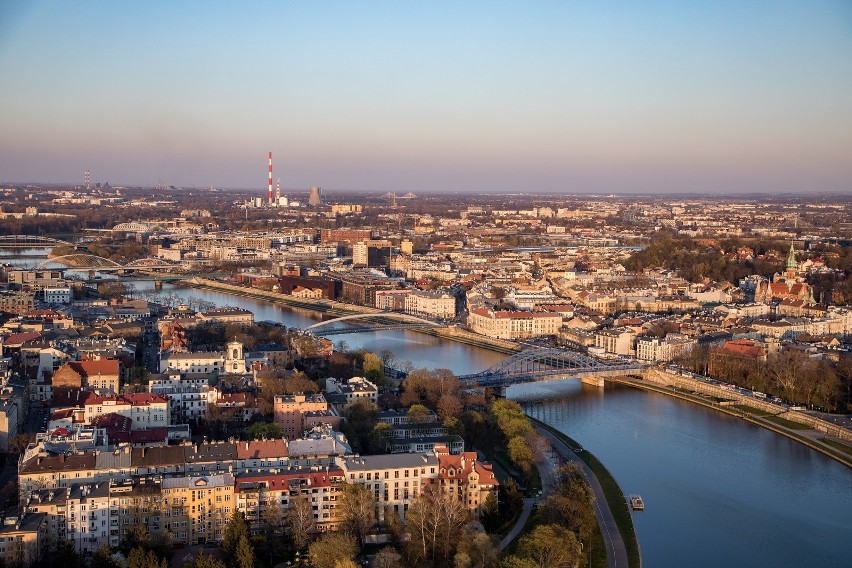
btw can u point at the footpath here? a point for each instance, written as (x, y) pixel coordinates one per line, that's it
(616, 551)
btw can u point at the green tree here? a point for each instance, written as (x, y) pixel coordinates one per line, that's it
(264, 431)
(142, 558)
(244, 557)
(417, 414)
(550, 546)
(373, 367)
(206, 561)
(381, 435)
(332, 547)
(236, 530)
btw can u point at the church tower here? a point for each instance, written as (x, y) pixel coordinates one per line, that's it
(234, 361)
(792, 266)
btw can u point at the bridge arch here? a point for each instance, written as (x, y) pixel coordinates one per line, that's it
(398, 315)
(546, 364)
(81, 260)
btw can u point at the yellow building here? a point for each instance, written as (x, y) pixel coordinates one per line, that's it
(197, 509)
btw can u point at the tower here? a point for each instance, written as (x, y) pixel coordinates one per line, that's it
(234, 361)
(278, 193)
(88, 178)
(315, 200)
(269, 193)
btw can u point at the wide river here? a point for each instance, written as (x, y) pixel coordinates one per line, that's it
(718, 491)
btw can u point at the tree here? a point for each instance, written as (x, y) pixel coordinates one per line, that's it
(236, 530)
(206, 561)
(476, 550)
(103, 558)
(373, 367)
(521, 453)
(449, 406)
(331, 547)
(142, 558)
(433, 521)
(244, 557)
(550, 546)
(417, 414)
(381, 435)
(357, 512)
(264, 431)
(299, 520)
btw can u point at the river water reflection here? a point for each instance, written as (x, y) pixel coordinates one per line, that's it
(718, 491)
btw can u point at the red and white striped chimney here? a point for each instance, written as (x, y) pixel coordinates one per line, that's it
(269, 195)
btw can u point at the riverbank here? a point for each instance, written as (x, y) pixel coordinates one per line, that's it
(337, 309)
(753, 415)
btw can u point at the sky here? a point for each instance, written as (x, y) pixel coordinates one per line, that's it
(574, 96)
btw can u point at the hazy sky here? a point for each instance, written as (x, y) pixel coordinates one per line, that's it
(573, 96)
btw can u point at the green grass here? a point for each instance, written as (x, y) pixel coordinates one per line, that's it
(614, 497)
(786, 423)
(846, 449)
(751, 410)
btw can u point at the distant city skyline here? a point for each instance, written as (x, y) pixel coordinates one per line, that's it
(576, 97)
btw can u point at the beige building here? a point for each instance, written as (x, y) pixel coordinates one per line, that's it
(22, 539)
(197, 508)
(514, 324)
(431, 304)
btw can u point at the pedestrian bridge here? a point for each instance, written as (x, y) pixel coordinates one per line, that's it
(85, 261)
(548, 364)
(30, 241)
(383, 321)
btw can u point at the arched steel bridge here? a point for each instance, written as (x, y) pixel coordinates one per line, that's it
(415, 322)
(84, 261)
(30, 241)
(547, 364)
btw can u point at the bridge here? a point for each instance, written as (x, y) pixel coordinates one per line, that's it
(414, 323)
(30, 241)
(85, 261)
(547, 364)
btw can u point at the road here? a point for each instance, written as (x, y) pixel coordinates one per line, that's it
(616, 551)
(526, 511)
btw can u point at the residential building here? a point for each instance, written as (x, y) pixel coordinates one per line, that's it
(513, 324)
(296, 413)
(102, 374)
(431, 304)
(356, 388)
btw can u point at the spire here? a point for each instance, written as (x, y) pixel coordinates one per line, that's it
(791, 259)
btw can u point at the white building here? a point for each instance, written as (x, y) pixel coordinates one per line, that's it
(357, 388)
(145, 409)
(57, 295)
(189, 395)
(434, 304)
(231, 361)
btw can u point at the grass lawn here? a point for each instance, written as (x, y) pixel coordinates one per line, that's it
(786, 423)
(846, 449)
(750, 410)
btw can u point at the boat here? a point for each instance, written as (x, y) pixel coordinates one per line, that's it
(637, 503)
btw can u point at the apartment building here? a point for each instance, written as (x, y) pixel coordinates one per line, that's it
(257, 495)
(296, 413)
(431, 304)
(356, 388)
(197, 508)
(146, 410)
(101, 374)
(22, 539)
(189, 395)
(513, 324)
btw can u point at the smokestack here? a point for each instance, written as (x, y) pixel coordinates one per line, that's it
(269, 195)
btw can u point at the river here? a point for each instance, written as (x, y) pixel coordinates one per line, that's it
(718, 491)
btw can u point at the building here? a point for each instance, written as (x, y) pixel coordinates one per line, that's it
(189, 395)
(257, 496)
(199, 506)
(671, 348)
(431, 304)
(617, 341)
(357, 388)
(16, 302)
(296, 413)
(146, 410)
(102, 374)
(464, 477)
(513, 324)
(22, 539)
(8, 422)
